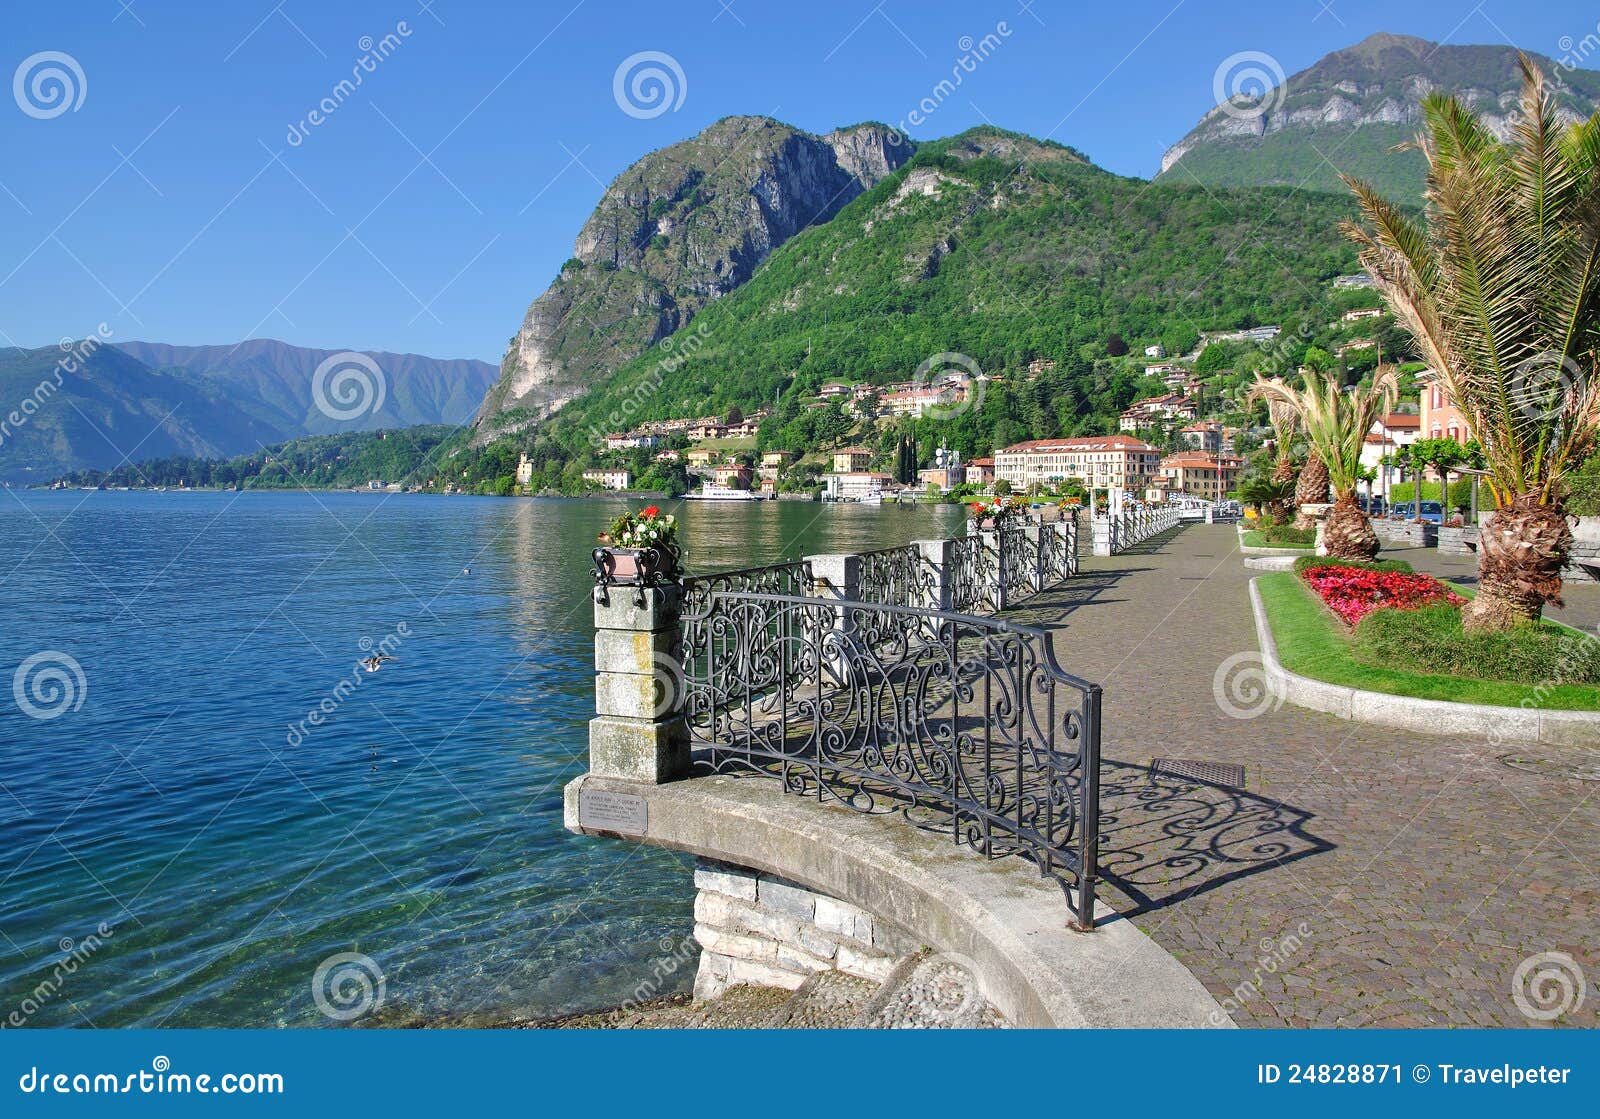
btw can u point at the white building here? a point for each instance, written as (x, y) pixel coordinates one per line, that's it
(609, 479)
(1100, 461)
(855, 485)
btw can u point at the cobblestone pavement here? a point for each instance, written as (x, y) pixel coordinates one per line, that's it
(1361, 877)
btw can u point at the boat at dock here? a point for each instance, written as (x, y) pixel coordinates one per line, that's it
(710, 492)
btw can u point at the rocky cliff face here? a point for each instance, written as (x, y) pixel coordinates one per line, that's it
(679, 228)
(1354, 105)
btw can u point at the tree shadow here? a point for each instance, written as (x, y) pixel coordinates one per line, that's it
(1164, 839)
(1056, 605)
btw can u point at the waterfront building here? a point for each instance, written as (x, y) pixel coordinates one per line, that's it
(1211, 476)
(1099, 461)
(609, 479)
(858, 485)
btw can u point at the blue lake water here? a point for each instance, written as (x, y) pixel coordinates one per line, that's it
(181, 844)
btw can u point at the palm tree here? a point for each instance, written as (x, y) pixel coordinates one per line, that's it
(1285, 423)
(1336, 422)
(1311, 488)
(1285, 426)
(1499, 283)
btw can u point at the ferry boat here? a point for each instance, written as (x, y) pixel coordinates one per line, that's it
(712, 492)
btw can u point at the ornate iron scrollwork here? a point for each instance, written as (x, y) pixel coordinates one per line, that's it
(960, 724)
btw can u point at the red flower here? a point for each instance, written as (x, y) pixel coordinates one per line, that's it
(650, 511)
(1353, 592)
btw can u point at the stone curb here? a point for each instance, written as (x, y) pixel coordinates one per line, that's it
(999, 917)
(1425, 716)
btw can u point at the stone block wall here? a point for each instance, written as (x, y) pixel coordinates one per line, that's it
(760, 930)
(1454, 541)
(1412, 534)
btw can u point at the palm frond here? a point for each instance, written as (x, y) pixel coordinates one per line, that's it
(1500, 281)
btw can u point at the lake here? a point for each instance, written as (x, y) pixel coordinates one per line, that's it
(202, 799)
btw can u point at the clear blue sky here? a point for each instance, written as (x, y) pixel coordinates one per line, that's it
(440, 197)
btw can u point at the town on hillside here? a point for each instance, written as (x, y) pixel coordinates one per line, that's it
(1188, 435)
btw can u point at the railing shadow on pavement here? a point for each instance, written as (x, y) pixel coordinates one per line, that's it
(1164, 839)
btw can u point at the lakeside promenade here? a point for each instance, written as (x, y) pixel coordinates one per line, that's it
(1363, 876)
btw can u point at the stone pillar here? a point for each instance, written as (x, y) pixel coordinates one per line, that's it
(936, 558)
(638, 732)
(1067, 528)
(1101, 527)
(837, 577)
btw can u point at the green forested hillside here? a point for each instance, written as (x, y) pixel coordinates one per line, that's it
(410, 455)
(994, 246)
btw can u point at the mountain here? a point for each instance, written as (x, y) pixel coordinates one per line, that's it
(680, 228)
(108, 408)
(273, 381)
(146, 400)
(1003, 249)
(1350, 109)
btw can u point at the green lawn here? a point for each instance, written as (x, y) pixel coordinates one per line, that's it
(1312, 642)
(1254, 538)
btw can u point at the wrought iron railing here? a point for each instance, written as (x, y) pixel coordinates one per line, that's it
(896, 577)
(1058, 552)
(1019, 560)
(958, 723)
(964, 571)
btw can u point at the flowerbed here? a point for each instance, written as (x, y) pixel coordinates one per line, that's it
(1354, 592)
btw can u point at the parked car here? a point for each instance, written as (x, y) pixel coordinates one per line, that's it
(1432, 512)
(1371, 506)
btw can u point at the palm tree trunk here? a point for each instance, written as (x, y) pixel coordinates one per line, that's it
(1311, 489)
(1282, 475)
(1521, 551)
(1347, 534)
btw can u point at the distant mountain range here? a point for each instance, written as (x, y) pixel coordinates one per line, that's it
(1349, 111)
(142, 400)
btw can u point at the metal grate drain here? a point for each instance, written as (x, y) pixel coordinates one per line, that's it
(1203, 772)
